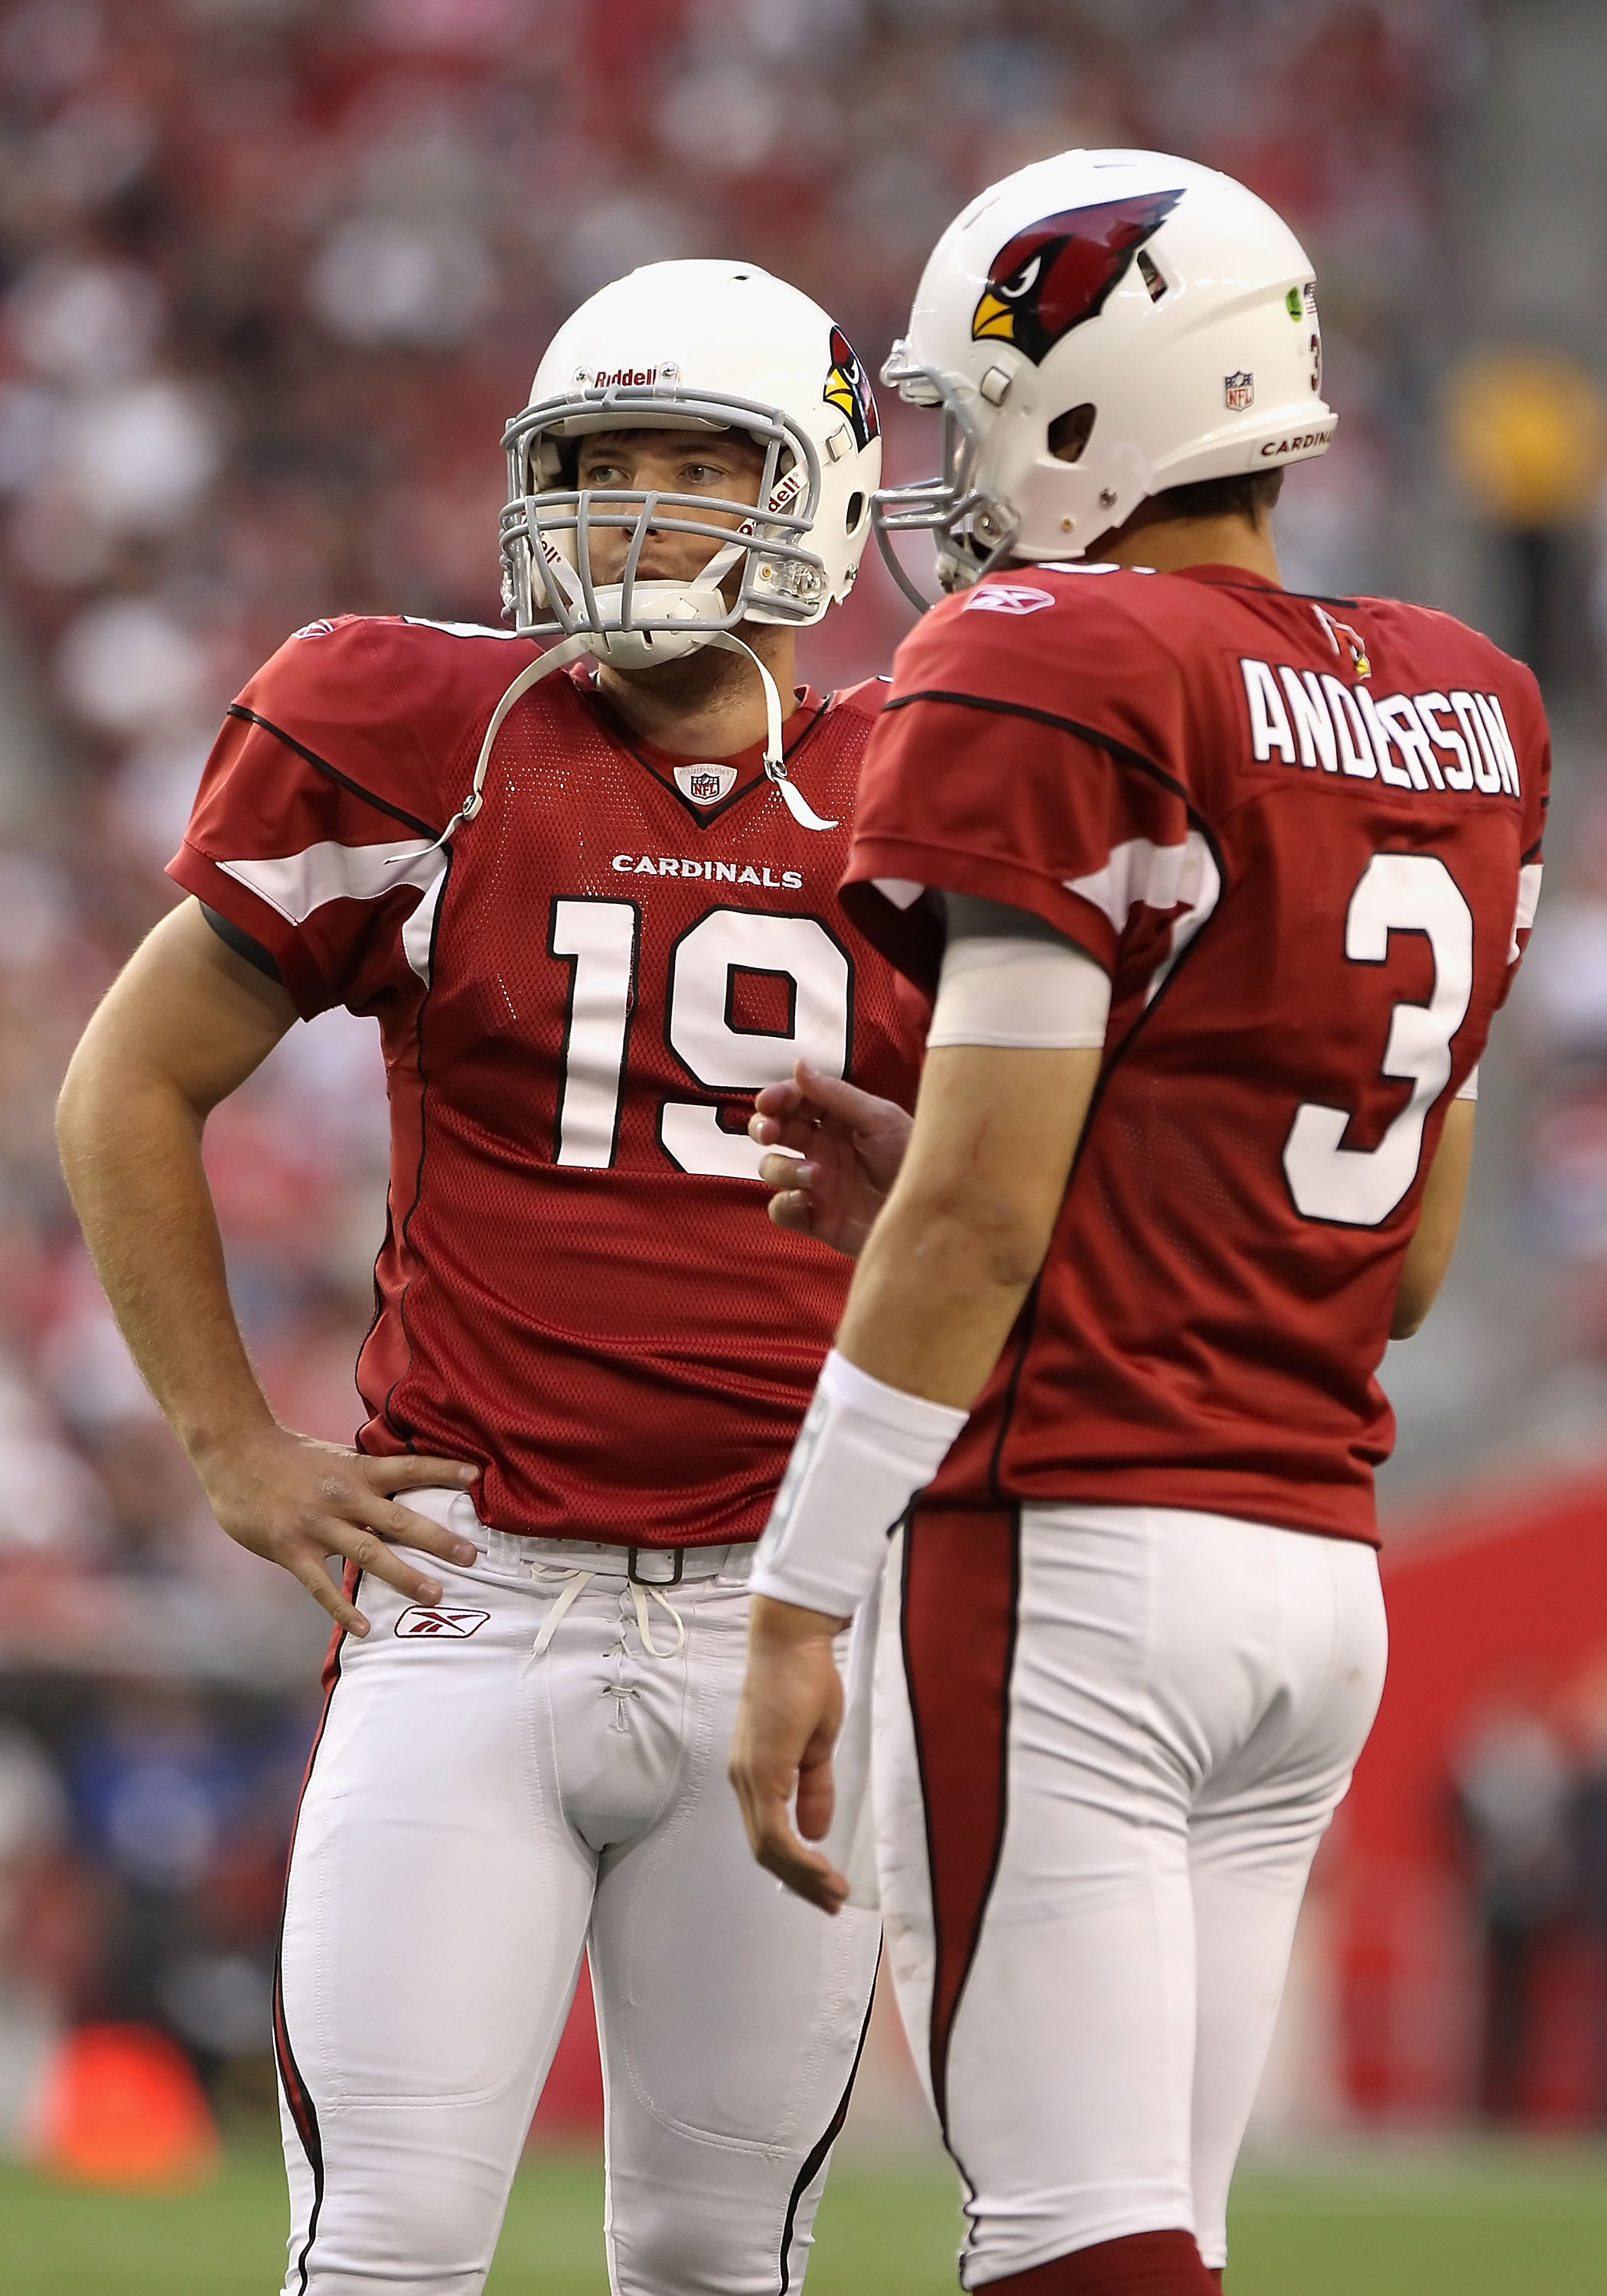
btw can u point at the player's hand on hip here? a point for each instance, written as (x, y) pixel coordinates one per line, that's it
(786, 1726)
(835, 1154)
(296, 1502)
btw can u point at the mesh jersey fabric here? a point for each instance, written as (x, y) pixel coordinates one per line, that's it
(1303, 836)
(578, 1288)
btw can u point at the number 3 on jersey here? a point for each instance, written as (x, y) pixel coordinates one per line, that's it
(1360, 1188)
(600, 941)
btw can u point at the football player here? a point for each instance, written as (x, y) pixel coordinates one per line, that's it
(1218, 888)
(589, 895)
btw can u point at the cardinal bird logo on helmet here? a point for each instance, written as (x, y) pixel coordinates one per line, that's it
(1059, 272)
(848, 388)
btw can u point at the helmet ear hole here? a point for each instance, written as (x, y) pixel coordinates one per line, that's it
(853, 517)
(1070, 433)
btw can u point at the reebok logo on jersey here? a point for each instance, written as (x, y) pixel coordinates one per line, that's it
(1446, 741)
(1007, 598)
(704, 785)
(713, 873)
(442, 1624)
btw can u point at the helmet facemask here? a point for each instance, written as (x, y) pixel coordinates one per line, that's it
(972, 531)
(550, 587)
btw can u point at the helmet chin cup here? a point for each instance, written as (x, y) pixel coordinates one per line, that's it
(700, 605)
(641, 649)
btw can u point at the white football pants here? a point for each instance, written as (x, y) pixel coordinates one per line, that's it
(535, 1770)
(1108, 1741)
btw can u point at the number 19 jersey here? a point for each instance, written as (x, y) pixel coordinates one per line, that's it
(578, 993)
(1303, 837)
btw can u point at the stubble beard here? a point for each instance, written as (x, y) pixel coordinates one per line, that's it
(691, 682)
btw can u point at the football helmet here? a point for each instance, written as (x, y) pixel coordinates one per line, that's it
(1150, 318)
(690, 346)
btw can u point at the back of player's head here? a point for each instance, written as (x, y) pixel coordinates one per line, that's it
(686, 346)
(1097, 329)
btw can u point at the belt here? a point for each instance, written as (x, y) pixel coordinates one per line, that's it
(511, 1550)
(643, 1566)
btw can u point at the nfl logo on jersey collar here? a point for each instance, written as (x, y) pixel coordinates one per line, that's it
(705, 784)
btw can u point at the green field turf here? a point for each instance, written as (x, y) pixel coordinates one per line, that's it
(1472, 2221)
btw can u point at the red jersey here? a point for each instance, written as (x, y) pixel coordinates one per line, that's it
(577, 995)
(1303, 837)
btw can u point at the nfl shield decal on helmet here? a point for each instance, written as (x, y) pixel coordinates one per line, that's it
(1240, 389)
(1059, 272)
(848, 388)
(704, 785)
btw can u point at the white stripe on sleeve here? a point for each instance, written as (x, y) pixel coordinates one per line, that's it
(298, 883)
(1529, 901)
(1029, 996)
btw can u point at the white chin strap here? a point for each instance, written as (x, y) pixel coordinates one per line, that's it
(609, 646)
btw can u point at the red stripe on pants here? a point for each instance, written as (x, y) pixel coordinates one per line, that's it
(1143, 2264)
(961, 1576)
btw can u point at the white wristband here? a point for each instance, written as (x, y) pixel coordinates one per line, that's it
(862, 1451)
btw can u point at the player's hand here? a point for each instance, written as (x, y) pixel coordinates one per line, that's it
(787, 1724)
(836, 1152)
(296, 1502)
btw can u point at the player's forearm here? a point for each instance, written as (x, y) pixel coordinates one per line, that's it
(130, 1147)
(939, 1285)
(947, 1265)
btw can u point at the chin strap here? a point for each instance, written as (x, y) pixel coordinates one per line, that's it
(558, 656)
(775, 764)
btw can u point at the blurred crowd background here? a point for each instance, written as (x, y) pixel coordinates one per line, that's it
(273, 273)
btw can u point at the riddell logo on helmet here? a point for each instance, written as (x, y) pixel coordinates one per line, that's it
(629, 375)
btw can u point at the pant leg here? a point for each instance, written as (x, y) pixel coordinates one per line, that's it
(1255, 1830)
(435, 1915)
(1058, 2002)
(1067, 1683)
(731, 2015)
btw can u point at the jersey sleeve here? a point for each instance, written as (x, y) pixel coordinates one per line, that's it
(973, 785)
(314, 828)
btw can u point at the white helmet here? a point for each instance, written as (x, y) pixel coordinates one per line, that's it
(687, 347)
(690, 346)
(1150, 318)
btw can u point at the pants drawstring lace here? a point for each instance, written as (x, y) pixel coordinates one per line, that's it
(573, 1584)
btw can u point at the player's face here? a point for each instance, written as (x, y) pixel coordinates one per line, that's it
(722, 464)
